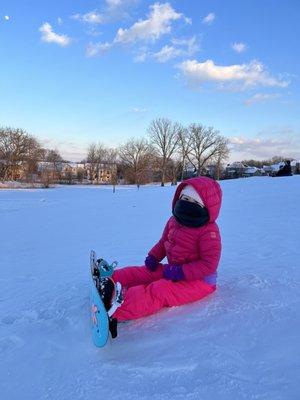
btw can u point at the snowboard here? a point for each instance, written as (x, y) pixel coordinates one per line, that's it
(101, 321)
(99, 317)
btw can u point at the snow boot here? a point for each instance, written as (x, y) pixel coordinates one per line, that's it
(112, 297)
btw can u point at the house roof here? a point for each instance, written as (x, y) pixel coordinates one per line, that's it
(236, 164)
(251, 170)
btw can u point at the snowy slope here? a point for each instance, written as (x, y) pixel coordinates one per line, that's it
(241, 343)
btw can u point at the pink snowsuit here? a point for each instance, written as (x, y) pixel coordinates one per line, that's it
(198, 250)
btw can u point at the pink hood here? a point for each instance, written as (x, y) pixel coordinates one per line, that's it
(208, 189)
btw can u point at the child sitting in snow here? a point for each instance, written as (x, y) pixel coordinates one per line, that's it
(192, 244)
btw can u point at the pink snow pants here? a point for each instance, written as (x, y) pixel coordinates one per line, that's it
(147, 292)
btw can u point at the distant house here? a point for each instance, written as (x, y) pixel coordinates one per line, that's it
(235, 170)
(239, 170)
(62, 171)
(267, 169)
(100, 173)
(49, 166)
(253, 171)
(189, 172)
(215, 171)
(211, 170)
(276, 167)
(67, 170)
(295, 164)
(273, 169)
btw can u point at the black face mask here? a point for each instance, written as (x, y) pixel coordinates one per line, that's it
(190, 214)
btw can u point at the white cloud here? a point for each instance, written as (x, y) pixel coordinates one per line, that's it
(93, 31)
(60, 21)
(179, 48)
(234, 77)
(264, 147)
(261, 98)
(189, 43)
(167, 53)
(49, 36)
(239, 47)
(92, 17)
(141, 55)
(70, 151)
(159, 23)
(6, 17)
(114, 3)
(138, 110)
(113, 10)
(209, 19)
(96, 49)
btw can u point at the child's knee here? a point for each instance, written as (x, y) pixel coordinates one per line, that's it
(160, 290)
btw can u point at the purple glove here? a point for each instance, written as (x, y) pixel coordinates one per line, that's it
(151, 263)
(173, 272)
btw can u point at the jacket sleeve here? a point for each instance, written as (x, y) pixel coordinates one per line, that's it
(159, 251)
(209, 247)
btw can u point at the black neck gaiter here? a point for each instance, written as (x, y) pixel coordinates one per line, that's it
(190, 214)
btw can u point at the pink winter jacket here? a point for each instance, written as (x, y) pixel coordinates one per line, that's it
(198, 250)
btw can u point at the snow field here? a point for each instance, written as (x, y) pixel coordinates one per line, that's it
(240, 343)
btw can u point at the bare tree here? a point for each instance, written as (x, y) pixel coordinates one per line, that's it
(17, 148)
(69, 176)
(221, 155)
(204, 145)
(184, 145)
(135, 156)
(112, 158)
(91, 159)
(35, 154)
(80, 175)
(53, 156)
(55, 159)
(46, 177)
(277, 159)
(174, 169)
(163, 135)
(97, 155)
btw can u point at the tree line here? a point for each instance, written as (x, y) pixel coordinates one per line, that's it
(18, 147)
(167, 152)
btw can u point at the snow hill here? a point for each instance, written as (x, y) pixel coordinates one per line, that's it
(240, 343)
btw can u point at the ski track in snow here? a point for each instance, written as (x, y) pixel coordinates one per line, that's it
(242, 342)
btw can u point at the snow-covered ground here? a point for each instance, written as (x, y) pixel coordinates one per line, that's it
(19, 185)
(240, 343)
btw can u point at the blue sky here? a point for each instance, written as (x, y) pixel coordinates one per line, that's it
(80, 71)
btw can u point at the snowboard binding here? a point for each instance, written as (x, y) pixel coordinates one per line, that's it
(100, 267)
(106, 269)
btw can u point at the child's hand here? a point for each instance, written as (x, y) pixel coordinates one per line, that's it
(151, 263)
(173, 272)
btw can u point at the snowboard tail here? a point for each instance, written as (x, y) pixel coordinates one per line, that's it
(99, 319)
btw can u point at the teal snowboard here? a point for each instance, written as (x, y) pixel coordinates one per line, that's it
(99, 317)
(102, 321)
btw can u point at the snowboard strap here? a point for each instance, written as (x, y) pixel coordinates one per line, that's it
(111, 295)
